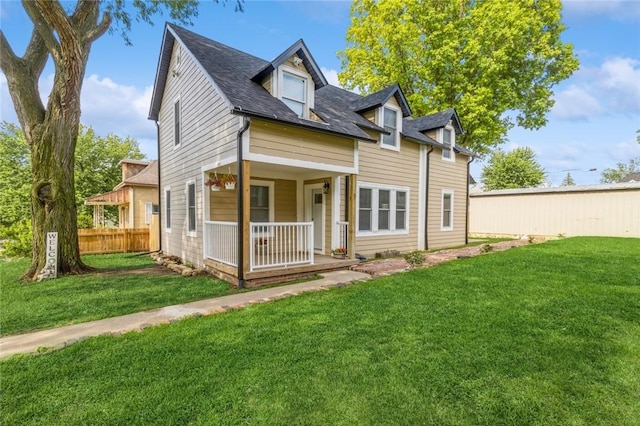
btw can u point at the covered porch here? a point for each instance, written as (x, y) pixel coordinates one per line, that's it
(277, 222)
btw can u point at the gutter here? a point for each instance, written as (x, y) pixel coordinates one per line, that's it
(248, 114)
(426, 202)
(466, 226)
(240, 201)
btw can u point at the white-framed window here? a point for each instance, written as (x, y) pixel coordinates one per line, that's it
(382, 209)
(167, 209)
(447, 210)
(261, 201)
(177, 126)
(148, 211)
(191, 208)
(448, 138)
(294, 93)
(295, 88)
(390, 118)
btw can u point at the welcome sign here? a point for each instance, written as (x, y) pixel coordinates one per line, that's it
(52, 254)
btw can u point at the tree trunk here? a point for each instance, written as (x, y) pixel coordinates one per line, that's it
(53, 207)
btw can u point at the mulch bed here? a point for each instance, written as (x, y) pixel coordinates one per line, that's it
(377, 268)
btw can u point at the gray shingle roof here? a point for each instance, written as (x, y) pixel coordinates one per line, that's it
(233, 73)
(379, 98)
(237, 76)
(631, 177)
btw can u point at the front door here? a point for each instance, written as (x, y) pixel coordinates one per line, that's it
(317, 217)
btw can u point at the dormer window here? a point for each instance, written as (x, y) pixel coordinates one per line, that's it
(448, 140)
(294, 90)
(390, 120)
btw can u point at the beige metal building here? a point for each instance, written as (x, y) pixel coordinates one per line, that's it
(595, 210)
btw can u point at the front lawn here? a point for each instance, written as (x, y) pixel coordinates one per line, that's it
(546, 334)
(74, 299)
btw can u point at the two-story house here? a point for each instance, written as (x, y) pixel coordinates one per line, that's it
(314, 168)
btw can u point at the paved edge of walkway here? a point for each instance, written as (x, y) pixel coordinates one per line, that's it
(60, 337)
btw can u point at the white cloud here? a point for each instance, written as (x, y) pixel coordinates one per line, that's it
(623, 151)
(113, 108)
(331, 75)
(106, 106)
(612, 88)
(575, 103)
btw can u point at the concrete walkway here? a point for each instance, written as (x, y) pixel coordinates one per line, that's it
(61, 337)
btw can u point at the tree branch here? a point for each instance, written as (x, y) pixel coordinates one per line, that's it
(36, 54)
(86, 17)
(8, 59)
(43, 26)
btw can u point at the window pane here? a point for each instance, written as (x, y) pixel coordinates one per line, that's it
(383, 209)
(446, 137)
(259, 204)
(401, 206)
(167, 204)
(365, 198)
(295, 106)
(176, 123)
(191, 203)
(389, 122)
(401, 200)
(400, 219)
(446, 140)
(293, 87)
(389, 118)
(364, 211)
(364, 220)
(446, 210)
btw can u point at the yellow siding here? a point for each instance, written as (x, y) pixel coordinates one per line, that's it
(299, 144)
(451, 176)
(398, 168)
(370, 115)
(142, 195)
(224, 207)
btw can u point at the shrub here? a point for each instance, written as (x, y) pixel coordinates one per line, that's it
(414, 258)
(17, 239)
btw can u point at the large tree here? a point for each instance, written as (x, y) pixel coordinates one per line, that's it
(495, 61)
(516, 169)
(51, 131)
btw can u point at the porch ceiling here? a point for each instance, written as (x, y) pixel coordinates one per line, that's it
(289, 172)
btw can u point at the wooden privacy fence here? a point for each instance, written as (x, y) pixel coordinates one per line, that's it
(108, 240)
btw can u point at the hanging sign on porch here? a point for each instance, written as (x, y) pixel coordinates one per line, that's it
(51, 268)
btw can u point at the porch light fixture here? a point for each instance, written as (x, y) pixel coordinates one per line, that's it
(325, 187)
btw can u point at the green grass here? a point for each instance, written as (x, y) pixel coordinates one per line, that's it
(546, 334)
(74, 299)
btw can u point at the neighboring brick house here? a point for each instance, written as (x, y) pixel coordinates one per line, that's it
(315, 168)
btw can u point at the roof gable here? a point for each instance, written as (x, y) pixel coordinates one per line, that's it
(381, 97)
(300, 49)
(436, 121)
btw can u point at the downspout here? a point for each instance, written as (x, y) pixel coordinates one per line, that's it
(426, 201)
(240, 194)
(466, 231)
(347, 183)
(159, 191)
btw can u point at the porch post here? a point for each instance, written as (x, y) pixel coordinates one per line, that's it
(246, 216)
(351, 228)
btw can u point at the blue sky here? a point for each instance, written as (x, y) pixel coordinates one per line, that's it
(592, 124)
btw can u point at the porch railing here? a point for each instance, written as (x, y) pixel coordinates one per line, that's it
(271, 244)
(281, 244)
(221, 242)
(343, 235)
